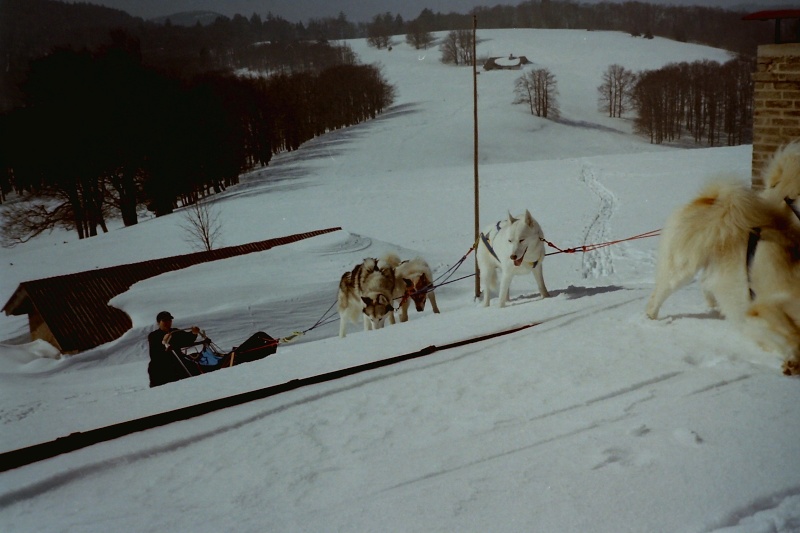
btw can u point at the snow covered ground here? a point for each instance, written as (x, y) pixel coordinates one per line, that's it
(597, 419)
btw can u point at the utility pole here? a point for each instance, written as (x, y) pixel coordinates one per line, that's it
(475, 147)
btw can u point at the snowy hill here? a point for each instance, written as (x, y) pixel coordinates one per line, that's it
(596, 419)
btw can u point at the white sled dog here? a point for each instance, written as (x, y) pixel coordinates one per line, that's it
(413, 281)
(367, 291)
(514, 246)
(747, 246)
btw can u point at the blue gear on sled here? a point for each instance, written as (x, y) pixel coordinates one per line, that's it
(205, 356)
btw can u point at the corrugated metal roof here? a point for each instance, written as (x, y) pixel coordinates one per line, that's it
(75, 306)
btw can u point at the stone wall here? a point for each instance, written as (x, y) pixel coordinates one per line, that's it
(776, 114)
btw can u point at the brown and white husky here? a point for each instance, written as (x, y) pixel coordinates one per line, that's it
(413, 281)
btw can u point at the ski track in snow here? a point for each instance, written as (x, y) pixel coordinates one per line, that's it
(598, 263)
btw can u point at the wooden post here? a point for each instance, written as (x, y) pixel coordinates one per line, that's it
(475, 147)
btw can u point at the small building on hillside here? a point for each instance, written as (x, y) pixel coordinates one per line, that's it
(71, 312)
(505, 63)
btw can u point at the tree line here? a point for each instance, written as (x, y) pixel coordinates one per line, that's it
(179, 127)
(31, 28)
(721, 28)
(709, 102)
(100, 132)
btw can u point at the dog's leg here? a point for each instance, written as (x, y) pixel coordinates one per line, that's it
(657, 298)
(432, 298)
(669, 278)
(367, 323)
(391, 316)
(711, 300)
(775, 325)
(505, 284)
(404, 310)
(538, 274)
(487, 275)
(342, 325)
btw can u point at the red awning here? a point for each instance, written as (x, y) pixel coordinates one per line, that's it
(772, 14)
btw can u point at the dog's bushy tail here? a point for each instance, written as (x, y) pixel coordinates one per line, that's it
(726, 211)
(719, 218)
(390, 259)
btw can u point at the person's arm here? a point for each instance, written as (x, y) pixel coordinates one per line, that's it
(156, 342)
(180, 338)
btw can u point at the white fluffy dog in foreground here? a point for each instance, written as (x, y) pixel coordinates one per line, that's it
(747, 246)
(513, 246)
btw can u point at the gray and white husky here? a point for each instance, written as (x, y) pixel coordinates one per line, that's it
(513, 246)
(367, 290)
(413, 281)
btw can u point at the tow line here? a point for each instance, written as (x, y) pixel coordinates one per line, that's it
(84, 439)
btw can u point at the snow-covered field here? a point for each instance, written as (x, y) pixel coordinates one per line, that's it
(597, 419)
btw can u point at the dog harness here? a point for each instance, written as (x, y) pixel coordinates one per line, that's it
(486, 240)
(752, 242)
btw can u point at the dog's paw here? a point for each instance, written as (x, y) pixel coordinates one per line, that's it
(791, 367)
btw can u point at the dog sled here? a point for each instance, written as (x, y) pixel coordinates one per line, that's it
(205, 356)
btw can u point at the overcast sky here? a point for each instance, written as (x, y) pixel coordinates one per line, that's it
(357, 10)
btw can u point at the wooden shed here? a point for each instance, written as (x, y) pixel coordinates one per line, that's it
(71, 312)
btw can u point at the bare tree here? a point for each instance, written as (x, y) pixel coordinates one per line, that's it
(711, 102)
(538, 89)
(202, 225)
(457, 47)
(615, 91)
(449, 49)
(26, 218)
(379, 31)
(466, 42)
(418, 36)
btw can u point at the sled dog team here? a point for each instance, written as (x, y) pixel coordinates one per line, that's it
(513, 246)
(744, 244)
(372, 287)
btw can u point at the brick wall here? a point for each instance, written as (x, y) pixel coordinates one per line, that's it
(776, 115)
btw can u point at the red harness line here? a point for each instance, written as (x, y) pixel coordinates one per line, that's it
(590, 247)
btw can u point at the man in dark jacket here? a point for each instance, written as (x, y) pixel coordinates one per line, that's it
(164, 366)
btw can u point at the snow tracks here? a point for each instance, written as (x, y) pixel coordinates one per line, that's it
(599, 262)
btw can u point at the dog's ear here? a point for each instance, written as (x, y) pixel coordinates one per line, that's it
(381, 299)
(367, 300)
(423, 281)
(409, 283)
(511, 219)
(528, 218)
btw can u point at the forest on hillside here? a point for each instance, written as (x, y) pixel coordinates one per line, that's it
(104, 112)
(32, 28)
